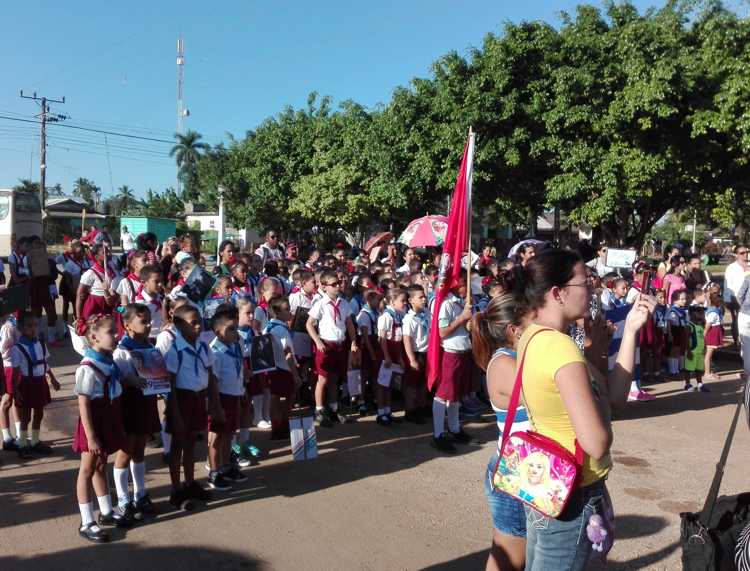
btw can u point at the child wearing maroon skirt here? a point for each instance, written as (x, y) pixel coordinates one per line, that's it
(416, 340)
(285, 378)
(137, 359)
(391, 339)
(229, 370)
(714, 333)
(455, 368)
(189, 364)
(328, 324)
(31, 376)
(9, 336)
(95, 295)
(99, 432)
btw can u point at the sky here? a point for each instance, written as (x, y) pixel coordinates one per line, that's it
(114, 62)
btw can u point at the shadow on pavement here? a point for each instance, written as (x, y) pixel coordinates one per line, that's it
(647, 561)
(471, 562)
(676, 401)
(115, 557)
(631, 526)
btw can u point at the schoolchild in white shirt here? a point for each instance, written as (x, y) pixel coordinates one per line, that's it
(416, 340)
(328, 324)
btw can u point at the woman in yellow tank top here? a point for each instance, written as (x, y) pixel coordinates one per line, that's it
(563, 404)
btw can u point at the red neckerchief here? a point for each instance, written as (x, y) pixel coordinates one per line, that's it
(97, 267)
(181, 281)
(295, 289)
(308, 296)
(336, 309)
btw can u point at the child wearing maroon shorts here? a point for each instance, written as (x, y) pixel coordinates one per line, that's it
(367, 324)
(391, 339)
(455, 368)
(230, 374)
(9, 336)
(99, 432)
(136, 358)
(189, 365)
(328, 324)
(416, 339)
(30, 377)
(285, 378)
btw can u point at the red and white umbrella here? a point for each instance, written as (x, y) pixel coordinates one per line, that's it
(425, 232)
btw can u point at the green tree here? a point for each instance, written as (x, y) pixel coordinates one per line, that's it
(26, 185)
(187, 153)
(125, 199)
(86, 189)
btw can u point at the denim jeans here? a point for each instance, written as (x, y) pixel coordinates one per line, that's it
(508, 515)
(562, 544)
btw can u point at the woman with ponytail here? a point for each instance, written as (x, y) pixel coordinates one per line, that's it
(494, 337)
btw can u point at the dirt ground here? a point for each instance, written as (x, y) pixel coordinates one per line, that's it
(376, 498)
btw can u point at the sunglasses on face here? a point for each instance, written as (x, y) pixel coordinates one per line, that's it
(742, 252)
(332, 284)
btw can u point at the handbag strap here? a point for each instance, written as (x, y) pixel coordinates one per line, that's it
(708, 507)
(515, 397)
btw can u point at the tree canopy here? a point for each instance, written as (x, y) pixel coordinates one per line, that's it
(614, 116)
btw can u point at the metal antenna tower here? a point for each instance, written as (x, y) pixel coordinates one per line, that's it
(182, 111)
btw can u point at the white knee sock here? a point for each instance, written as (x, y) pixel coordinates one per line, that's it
(34, 437)
(121, 485)
(18, 429)
(22, 438)
(138, 471)
(438, 416)
(7, 437)
(453, 424)
(105, 504)
(87, 513)
(672, 364)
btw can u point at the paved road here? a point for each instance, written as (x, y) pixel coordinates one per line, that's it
(376, 498)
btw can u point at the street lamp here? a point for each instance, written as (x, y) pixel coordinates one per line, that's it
(220, 239)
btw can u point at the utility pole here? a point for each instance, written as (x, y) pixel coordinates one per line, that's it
(44, 116)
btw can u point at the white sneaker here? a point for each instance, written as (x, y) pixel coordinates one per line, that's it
(264, 425)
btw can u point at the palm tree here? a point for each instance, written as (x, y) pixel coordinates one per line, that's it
(87, 190)
(126, 199)
(56, 190)
(186, 152)
(26, 185)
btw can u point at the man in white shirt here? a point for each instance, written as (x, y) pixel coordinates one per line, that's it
(127, 240)
(409, 256)
(271, 249)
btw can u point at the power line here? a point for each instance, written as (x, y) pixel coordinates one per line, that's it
(102, 131)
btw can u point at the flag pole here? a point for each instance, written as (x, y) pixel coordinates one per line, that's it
(469, 217)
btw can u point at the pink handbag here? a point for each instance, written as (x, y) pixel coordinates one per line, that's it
(534, 468)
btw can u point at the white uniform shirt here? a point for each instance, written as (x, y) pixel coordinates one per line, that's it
(734, 275)
(38, 355)
(153, 302)
(300, 299)
(128, 241)
(331, 327)
(90, 384)
(228, 368)
(282, 342)
(190, 363)
(165, 339)
(9, 336)
(369, 319)
(389, 328)
(91, 279)
(129, 287)
(418, 328)
(459, 341)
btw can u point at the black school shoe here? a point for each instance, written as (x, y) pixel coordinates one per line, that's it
(337, 416)
(384, 419)
(93, 533)
(321, 419)
(197, 492)
(119, 517)
(462, 437)
(143, 508)
(24, 453)
(181, 500)
(233, 474)
(41, 449)
(443, 444)
(10, 445)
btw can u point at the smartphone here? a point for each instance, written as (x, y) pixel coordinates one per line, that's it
(646, 283)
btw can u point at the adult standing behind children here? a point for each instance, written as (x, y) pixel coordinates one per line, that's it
(271, 249)
(734, 275)
(562, 403)
(127, 239)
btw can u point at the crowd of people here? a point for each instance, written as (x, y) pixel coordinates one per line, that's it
(349, 333)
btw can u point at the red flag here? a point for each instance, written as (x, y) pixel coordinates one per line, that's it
(456, 244)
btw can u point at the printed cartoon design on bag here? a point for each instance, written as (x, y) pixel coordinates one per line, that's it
(534, 476)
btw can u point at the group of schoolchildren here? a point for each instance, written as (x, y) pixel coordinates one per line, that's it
(687, 326)
(345, 333)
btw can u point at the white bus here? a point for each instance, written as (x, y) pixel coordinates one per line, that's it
(20, 215)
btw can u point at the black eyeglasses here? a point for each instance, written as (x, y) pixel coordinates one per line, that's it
(333, 284)
(273, 237)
